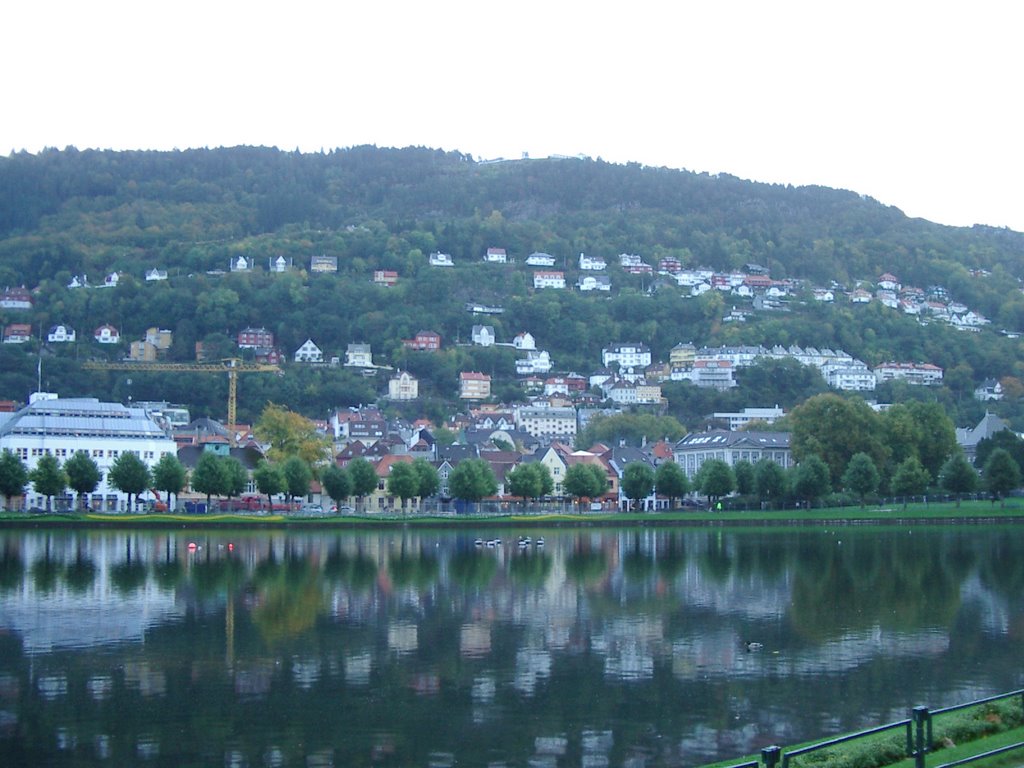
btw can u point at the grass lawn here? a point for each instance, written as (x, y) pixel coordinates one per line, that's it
(968, 511)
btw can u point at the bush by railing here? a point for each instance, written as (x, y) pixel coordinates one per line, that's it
(924, 732)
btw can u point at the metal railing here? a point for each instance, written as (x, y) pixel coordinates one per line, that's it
(919, 732)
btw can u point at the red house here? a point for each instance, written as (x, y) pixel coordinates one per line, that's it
(424, 341)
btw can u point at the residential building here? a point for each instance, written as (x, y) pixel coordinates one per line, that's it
(592, 263)
(156, 275)
(549, 279)
(483, 335)
(309, 353)
(111, 280)
(279, 265)
(17, 333)
(851, 375)
(648, 393)
(682, 355)
(60, 427)
(716, 374)
(423, 341)
(969, 437)
(15, 298)
(739, 420)
(536, 361)
(496, 256)
(403, 386)
(385, 277)
(627, 355)
(990, 389)
(540, 260)
(438, 259)
(524, 340)
(255, 338)
(241, 264)
(474, 386)
(358, 355)
(594, 283)
(107, 334)
(732, 447)
(61, 334)
(323, 264)
(924, 374)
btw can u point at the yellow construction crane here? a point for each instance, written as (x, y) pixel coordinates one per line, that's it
(232, 366)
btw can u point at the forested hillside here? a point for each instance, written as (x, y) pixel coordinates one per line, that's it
(66, 214)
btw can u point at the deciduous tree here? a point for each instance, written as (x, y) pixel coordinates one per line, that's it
(48, 478)
(169, 476)
(129, 474)
(861, 476)
(671, 481)
(83, 475)
(13, 476)
(637, 481)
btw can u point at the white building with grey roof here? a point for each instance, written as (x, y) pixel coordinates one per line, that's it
(62, 426)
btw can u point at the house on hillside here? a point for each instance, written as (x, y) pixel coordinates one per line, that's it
(107, 334)
(496, 256)
(61, 334)
(17, 333)
(483, 335)
(309, 353)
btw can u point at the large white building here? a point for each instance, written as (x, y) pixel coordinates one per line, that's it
(627, 355)
(61, 427)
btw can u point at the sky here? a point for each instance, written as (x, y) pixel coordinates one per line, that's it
(915, 104)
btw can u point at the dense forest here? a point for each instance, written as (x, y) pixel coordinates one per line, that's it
(68, 213)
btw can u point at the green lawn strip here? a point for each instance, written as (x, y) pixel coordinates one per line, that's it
(969, 511)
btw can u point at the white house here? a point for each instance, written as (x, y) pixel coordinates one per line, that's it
(61, 334)
(111, 280)
(536, 361)
(496, 256)
(241, 264)
(309, 353)
(61, 427)
(438, 259)
(403, 386)
(483, 335)
(594, 283)
(732, 447)
(549, 279)
(155, 275)
(524, 340)
(358, 355)
(627, 355)
(107, 334)
(592, 263)
(540, 260)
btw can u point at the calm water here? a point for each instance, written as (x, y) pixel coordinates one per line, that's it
(611, 647)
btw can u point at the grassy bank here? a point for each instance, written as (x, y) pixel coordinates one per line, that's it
(967, 512)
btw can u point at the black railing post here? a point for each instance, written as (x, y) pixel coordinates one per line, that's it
(770, 756)
(921, 717)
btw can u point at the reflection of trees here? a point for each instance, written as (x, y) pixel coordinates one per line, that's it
(863, 581)
(80, 573)
(586, 567)
(1002, 569)
(129, 575)
(530, 568)
(168, 573)
(217, 576)
(12, 569)
(715, 561)
(357, 571)
(671, 557)
(472, 569)
(419, 570)
(291, 598)
(45, 570)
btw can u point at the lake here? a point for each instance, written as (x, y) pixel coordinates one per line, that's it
(600, 647)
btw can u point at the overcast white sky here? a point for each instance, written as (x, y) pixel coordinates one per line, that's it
(917, 104)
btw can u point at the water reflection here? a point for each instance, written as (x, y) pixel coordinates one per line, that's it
(406, 648)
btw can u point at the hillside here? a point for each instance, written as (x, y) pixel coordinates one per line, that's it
(67, 214)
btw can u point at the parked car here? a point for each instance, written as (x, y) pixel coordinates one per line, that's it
(311, 509)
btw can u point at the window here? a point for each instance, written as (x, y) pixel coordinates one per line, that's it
(97, 453)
